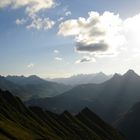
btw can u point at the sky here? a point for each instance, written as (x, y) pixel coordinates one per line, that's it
(60, 38)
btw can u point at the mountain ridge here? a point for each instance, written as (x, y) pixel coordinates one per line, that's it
(82, 79)
(33, 123)
(108, 99)
(31, 87)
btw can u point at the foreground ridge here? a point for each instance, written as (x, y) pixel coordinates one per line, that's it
(17, 122)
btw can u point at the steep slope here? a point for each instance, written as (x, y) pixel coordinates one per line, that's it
(18, 122)
(83, 79)
(109, 99)
(95, 123)
(129, 123)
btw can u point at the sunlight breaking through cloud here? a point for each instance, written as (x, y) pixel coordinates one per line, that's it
(103, 35)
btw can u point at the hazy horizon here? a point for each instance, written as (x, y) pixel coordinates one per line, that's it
(69, 76)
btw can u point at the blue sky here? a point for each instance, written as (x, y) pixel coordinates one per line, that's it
(26, 50)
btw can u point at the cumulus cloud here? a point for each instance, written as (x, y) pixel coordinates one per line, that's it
(41, 24)
(31, 6)
(131, 29)
(86, 59)
(97, 33)
(104, 35)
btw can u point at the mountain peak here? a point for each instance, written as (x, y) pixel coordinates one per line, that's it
(101, 74)
(116, 76)
(86, 109)
(131, 73)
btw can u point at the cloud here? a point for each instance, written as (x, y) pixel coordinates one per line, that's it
(131, 27)
(20, 21)
(69, 28)
(68, 13)
(41, 24)
(104, 35)
(58, 58)
(31, 65)
(31, 6)
(86, 59)
(56, 51)
(95, 34)
(94, 47)
(60, 19)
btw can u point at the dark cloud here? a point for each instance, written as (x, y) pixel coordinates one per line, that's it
(86, 59)
(95, 47)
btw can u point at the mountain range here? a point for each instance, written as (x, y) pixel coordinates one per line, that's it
(17, 122)
(82, 79)
(116, 101)
(109, 99)
(31, 87)
(34, 87)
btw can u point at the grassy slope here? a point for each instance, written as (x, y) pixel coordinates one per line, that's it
(18, 122)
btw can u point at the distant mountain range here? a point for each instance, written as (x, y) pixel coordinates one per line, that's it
(17, 122)
(109, 99)
(34, 87)
(83, 79)
(18, 90)
(31, 87)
